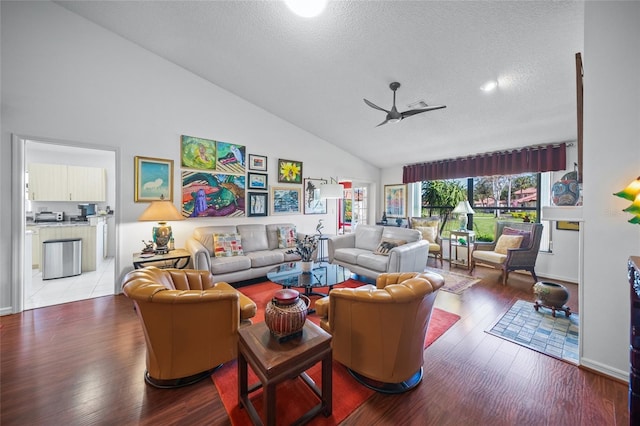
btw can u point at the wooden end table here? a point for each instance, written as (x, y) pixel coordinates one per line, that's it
(275, 362)
(469, 238)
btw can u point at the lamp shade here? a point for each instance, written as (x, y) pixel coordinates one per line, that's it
(631, 191)
(161, 211)
(331, 190)
(463, 207)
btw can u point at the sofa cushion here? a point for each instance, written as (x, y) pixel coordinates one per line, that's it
(204, 234)
(349, 254)
(489, 256)
(386, 244)
(227, 245)
(424, 222)
(526, 235)
(407, 234)
(265, 258)
(225, 265)
(254, 237)
(429, 233)
(286, 237)
(368, 237)
(506, 242)
(373, 261)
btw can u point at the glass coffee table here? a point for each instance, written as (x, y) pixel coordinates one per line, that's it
(322, 275)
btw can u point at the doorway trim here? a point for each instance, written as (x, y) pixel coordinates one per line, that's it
(18, 214)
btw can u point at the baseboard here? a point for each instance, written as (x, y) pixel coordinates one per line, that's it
(557, 278)
(605, 370)
(6, 311)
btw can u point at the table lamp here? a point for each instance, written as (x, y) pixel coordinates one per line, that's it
(463, 209)
(161, 211)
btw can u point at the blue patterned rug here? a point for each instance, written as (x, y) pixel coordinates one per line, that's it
(540, 331)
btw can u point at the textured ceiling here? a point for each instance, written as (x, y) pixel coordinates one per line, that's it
(315, 72)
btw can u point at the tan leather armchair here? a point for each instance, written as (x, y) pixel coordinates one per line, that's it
(379, 332)
(190, 322)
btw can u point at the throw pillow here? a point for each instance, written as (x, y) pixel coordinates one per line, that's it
(424, 221)
(227, 245)
(286, 237)
(429, 233)
(526, 235)
(506, 242)
(386, 244)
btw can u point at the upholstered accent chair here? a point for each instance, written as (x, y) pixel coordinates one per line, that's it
(379, 331)
(514, 248)
(430, 229)
(190, 322)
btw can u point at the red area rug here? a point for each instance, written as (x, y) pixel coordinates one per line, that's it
(294, 398)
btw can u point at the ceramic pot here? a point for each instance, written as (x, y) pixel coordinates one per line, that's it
(566, 192)
(286, 313)
(551, 294)
(306, 267)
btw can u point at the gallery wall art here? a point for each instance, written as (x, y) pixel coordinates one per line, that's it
(230, 158)
(395, 200)
(198, 153)
(153, 179)
(207, 194)
(289, 171)
(257, 162)
(313, 204)
(285, 200)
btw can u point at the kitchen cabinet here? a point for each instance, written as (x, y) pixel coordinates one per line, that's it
(35, 246)
(92, 241)
(59, 182)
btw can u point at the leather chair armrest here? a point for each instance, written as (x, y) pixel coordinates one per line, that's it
(322, 307)
(248, 307)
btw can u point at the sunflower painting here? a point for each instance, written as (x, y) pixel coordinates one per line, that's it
(289, 171)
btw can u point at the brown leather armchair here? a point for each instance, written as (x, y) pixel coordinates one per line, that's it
(190, 323)
(379, 332)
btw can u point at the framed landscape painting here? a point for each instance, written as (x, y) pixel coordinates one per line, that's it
(258, 203)
(313, 204)
(289, 171)
(395, 200)
(153, 179)
(285, 200)
(257, 162)
(258, 181)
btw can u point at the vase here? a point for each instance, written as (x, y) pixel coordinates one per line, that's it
(551, 294)
(566, 191)
(286, 313)
(306, 266)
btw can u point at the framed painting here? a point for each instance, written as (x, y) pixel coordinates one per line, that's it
(153, 179)
(285, 200)
(395, 200)
(258, 203)
(289, 171)
(257, 162)
(197, 153)
(313, 204)
(230, 158)
(207, 194)
(566, 225)
(258, 180)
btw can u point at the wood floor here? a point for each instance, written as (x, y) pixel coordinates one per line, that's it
(82, 363)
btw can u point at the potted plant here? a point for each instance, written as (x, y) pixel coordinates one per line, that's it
(305, 247)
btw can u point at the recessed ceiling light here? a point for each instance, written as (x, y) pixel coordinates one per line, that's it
(489, 86)
(306, 8)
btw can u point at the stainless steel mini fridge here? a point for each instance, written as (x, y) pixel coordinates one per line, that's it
(61, 258)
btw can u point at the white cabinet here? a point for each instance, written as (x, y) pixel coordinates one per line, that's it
(59, 182)
(89, 237)
(35, 246)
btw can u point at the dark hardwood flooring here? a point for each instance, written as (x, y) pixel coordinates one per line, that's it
(82, 363)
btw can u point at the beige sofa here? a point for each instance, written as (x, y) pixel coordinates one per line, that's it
(365, 253)
(259, 254)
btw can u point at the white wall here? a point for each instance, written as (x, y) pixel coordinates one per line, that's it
(65, 78)
(611, 153)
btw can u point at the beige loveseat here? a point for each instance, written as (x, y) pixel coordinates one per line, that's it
(372, 250)
(251, 250)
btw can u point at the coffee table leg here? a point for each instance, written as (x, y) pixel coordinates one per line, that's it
(243, 378)
(327, 385)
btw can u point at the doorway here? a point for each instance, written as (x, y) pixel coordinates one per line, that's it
(29, 290)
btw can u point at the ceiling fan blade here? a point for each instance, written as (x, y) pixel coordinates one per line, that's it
(372, 105)
(384, 122)
(418, 111)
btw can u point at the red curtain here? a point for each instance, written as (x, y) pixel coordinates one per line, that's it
(525, 160)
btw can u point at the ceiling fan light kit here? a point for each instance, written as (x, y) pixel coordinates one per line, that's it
(393, 115)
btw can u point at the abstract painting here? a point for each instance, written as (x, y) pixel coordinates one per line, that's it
(212, 194)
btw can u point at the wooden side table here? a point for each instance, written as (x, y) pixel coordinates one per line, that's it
(454, 245)
(275, 362)
(178, 258)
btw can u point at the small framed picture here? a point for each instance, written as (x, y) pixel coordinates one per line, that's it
(258, 181)
(313, 204)
(153, 179)
(566, 225)
(258, 162)
(285, 200)
(289, 171)
(258, 203)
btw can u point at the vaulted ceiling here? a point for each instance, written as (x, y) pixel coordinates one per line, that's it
(315, 72)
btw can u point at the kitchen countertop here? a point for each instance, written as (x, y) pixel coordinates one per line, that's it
(57, 224)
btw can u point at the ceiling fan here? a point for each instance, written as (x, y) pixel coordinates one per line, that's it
(394, 116)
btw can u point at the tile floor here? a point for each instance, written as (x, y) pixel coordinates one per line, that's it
(40, 293)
